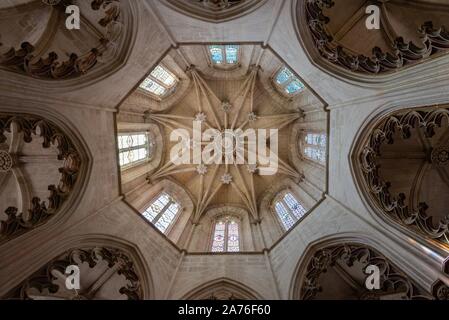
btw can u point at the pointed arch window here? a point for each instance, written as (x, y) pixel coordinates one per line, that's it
(162, 212)
(224, 55)
(226, 237)
(289, 210)
(160, 82)
(287, 82)
(314, 147)
(134, 148)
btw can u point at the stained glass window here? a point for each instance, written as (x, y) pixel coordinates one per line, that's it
(233, 236)
(231, 54)
(159, 82)
(295, 207)
(224, 55)
(216, 53)
(288, 82)
(162, 211)
(133, 148)
(289, 210)
(314, 146)
(218, 244)
(226, 236)
(283, 75)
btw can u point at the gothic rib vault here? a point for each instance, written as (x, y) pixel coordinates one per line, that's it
(209, 181)
(224, 104)
(60, 138)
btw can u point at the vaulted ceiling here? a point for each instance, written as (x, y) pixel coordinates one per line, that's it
(244, 97)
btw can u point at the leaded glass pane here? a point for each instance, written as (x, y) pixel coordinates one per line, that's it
(216, 53)
(296, 208)
(161, 74)
(288, 82)
(316, 139)
(322, 140)
(294, 87)
(218, 244)
(315, 154)
(309, 152)
(167, 217)
(153, 87)
(156, 207)
(233, 236)
(231, 54)
(315, 148)
(309, 138)
(132, 148)
(283, 75)
(284, 215)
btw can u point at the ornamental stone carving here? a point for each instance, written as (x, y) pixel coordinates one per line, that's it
(440, 156)
(29, 60)
(441, 291)
(433, 41)
(29, 127)
(100, 267)
(397, 207)
(393, 282)
(215, 10)
(6, 161)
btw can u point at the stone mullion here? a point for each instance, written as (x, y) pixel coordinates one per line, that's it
(290, 212)
(160, 214)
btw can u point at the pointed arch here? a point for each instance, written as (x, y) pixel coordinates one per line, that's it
(215, 11)
(53, 132)
(342, 253)
(124, 260)
(222, 289)
(396, 196)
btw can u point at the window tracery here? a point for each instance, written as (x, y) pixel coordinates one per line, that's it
(162, 212)
(286, 81)
(160, 83)
(224, 56)
(226, 237)
(288, 209)
(351, 260)
(313, 146)
(105, 274)
(388, 145)
(134, 148)
(430, 39)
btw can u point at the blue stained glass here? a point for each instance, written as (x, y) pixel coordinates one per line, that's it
(294, 87)
(283, 76)
(288, 82)
(216, 54)
(231, 54)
